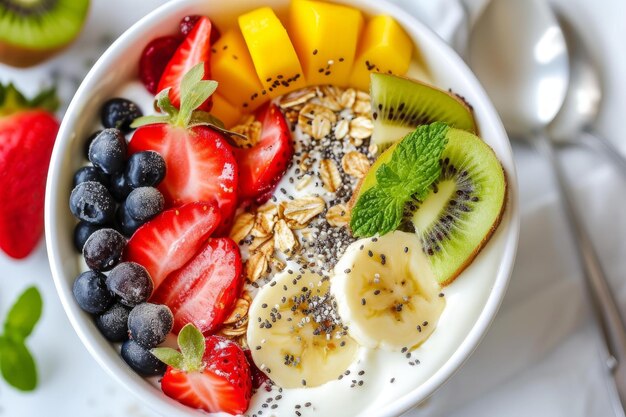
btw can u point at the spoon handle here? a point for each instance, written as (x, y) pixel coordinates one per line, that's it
(591, 135)
(603, 303)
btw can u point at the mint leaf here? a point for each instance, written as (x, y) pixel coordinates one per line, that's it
(23, 315)
(376, 212)
(17, 364)
(169, 356)
(191, 343)
(413, 167)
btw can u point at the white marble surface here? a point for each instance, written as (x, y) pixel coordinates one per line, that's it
(541, 356)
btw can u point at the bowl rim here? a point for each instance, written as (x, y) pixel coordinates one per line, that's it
(166, 406)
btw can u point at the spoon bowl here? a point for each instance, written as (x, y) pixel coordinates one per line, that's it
(519, 53)
(584, 95)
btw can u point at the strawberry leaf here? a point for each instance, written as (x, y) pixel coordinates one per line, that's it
(191, 343)
(169, 357)
(23, 315)
(164, 103)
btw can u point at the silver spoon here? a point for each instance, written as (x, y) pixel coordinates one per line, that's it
(583, 100)
(518, 51)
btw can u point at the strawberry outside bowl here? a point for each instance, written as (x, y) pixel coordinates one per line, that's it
(119, 65)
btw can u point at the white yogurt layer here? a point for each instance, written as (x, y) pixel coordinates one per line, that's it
(378, 377)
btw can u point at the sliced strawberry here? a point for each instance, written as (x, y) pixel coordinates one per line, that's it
(204, 291)
(171, 239)
(187, 24)
(155, 58)
(200, 165)
(195, 49)
(258, 377)
(219, 381)
(263, 165)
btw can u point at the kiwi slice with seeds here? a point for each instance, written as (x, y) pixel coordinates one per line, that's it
(464, 207)
(400, 104)
(33, 30)
(462, 210)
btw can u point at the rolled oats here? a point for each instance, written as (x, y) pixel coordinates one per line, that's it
(342, 128)
(256, 266)
(356, 164)
(242, 226)
(361, 127)
(338, 215)
(308, 114)
(304, 209)
(284, 238)
(331, 177)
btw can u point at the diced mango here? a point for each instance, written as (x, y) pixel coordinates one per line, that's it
(273, 55)
(226, 112)
(325, 37)
(232, 67)
(385, 47)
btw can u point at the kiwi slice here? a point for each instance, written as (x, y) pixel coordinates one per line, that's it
(400, 104)
(33, 30)
(463, 208)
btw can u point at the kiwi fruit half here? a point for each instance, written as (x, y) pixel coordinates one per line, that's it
(400, 104)
(463, 208)
(33, 30)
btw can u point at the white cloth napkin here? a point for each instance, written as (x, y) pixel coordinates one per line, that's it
(540, 358)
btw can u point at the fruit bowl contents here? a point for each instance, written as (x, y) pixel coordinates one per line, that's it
(276, 226)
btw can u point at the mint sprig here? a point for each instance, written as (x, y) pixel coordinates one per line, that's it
(191, 344)
(16, 362)
(412, 169)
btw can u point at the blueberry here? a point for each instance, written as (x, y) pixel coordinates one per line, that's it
(131, 282)
(119, 187)
(90, 201)
(144, 203)
(88, 142)
(145, 169)
(108, 151)
(103, 250)
(113, 323)
(141, 360)
(126, 224)
(119, 113)
(85, 174)
(149, 324)
(91, 292)
(82, 231)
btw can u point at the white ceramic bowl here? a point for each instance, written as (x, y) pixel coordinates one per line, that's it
(119, 64)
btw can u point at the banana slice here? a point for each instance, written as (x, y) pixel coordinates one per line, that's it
(386, 292)
(295, 333)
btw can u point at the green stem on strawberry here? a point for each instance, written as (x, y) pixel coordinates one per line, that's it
(189, 358)
(13, 101)
(194, 91)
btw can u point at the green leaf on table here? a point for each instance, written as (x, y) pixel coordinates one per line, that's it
(24, 315)
(17, 364)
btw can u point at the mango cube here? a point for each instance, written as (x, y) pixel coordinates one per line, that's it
(325, 37)
(385, 47)
(232, 68)
(226, 112)
(273, 55)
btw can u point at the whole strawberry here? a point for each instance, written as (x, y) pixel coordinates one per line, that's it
(27, 133)
(211, 374)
